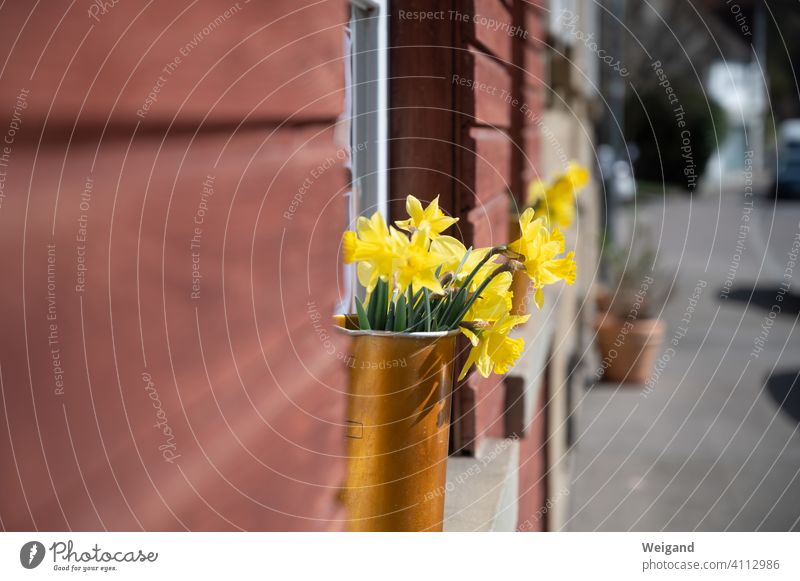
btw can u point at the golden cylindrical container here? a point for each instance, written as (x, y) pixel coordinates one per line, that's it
(398, 424)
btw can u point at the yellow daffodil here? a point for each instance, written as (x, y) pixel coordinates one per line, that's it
(453, 252)
(537, 190)
(494, 301)
(577, 175)
(540, 248)
(372, 247)
(415, 264)
(557, 200)
(469, 289)
(484, 271)
(451, 249)
(430, 219)
(492, 350)
(557, 204)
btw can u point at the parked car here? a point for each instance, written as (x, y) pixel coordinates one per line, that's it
(787, 177)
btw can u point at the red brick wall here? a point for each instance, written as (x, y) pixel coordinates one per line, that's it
(533, 476)
(502, 152)
(463, 121)
(533, 470)
(246, 380)
(247, 388)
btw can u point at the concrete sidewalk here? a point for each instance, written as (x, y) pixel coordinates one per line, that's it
(710, 447)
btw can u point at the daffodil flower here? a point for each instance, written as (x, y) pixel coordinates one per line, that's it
(577, 175)
(372, 247)
(540, 249)
(451, 250)
(422, 279)
(454, 251)
(494, 301)
(416, 264)
(557, 203)
(492, 350)
(557, 200)
(430, 219)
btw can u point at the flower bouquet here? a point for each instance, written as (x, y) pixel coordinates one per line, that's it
(423, 289)
(555, 202)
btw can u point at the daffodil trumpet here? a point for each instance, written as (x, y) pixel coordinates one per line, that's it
(419, 279)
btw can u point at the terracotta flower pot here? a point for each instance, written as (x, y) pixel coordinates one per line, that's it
(398, 426)
(628, 348)
(602, 297)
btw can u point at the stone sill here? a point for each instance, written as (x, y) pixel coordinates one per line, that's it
(481, 491)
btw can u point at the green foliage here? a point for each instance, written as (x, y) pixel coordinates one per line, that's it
(635, 278)
(423, 310)
(653, 125)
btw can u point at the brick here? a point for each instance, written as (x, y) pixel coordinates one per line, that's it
(535, 25)
(262, 388)
(492, 163)
(492, 91)
(535, 74)
(532, 502)
(490, 221)
(493, 27)
(250, 62)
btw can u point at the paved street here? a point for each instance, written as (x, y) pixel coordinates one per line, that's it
(715, 445)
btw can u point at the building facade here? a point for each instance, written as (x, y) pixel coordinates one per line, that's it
(174, 196)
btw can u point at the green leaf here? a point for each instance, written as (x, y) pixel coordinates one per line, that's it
(363, 320)
(463, 260)
(390, 317)
(400, 314)
(381, 293)
(448, 313)
(373, 305)
(453, 309)
(419, 312)
(426, 297)
(461, 312)
(410, 308)
(417, 296)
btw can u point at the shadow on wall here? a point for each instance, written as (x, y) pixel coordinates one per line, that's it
(784, 388)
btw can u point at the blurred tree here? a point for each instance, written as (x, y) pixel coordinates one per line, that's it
(783, 58)
(652, 124)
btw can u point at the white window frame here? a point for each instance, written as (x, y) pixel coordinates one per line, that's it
(369, 104)
(367, 115)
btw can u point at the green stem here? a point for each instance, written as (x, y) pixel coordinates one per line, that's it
(465, 285)
(410, 303)
(475, 296)
(426, 296)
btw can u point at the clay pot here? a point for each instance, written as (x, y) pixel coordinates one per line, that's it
(602, 297)
(628, 348)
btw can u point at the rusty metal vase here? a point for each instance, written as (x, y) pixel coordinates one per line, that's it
(398, 424)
